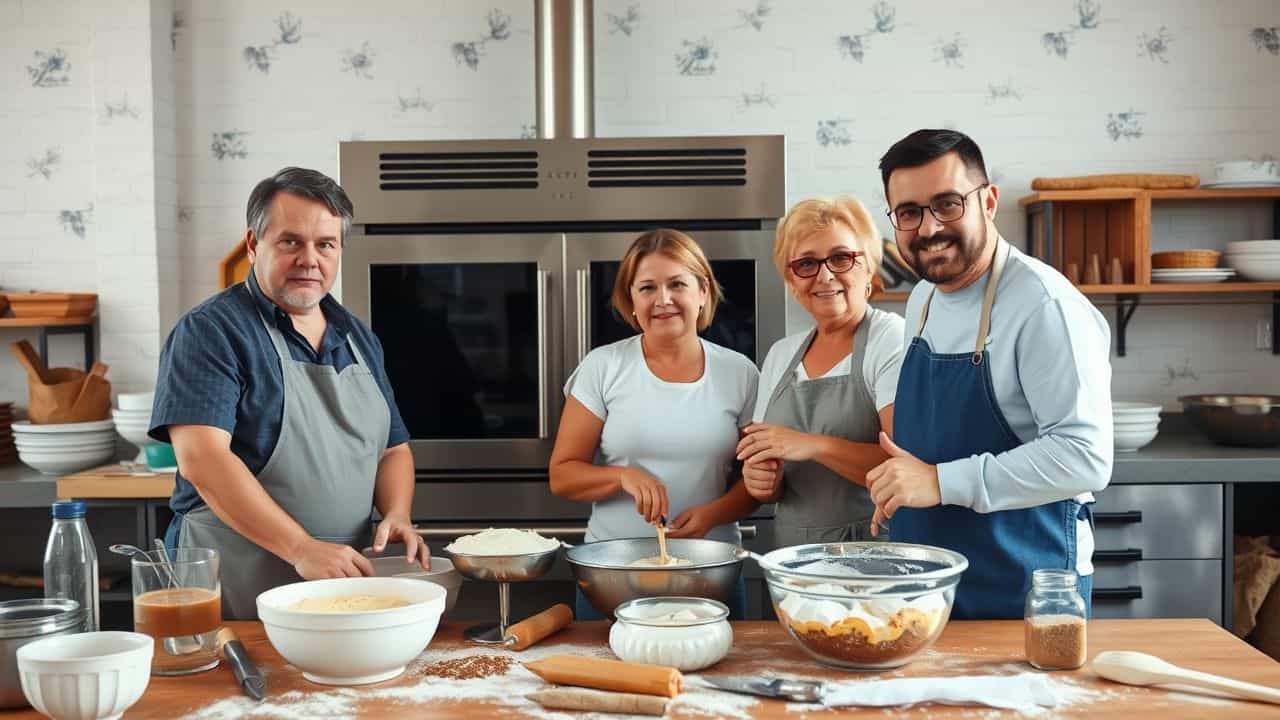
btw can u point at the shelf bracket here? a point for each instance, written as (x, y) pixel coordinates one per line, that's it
(1125, 305)
(85, 331)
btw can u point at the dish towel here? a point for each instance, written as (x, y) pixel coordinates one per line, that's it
(1009, 692)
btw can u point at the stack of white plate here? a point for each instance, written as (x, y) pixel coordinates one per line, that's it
(1191, 275)
(1136, 424)
(59, 449)
(1257, 260)
(133, 419)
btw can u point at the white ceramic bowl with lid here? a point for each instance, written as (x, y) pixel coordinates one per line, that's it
(89, 676)
(354, 647)
(686, 633)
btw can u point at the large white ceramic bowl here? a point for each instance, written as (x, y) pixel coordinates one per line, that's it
(1255, 266)
(441, 573)
(1247, 171)
(1130, 440)
(26, 426)
(89, 676)
(1254, 247)
(352, 648)
(64, 442)
(62, 462)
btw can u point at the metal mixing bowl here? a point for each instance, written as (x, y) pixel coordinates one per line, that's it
(505, 568)
(604, 573)
(1240, 420)
(26, 621)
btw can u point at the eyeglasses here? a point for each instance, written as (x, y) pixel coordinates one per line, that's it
(946, 208)
(838, 262)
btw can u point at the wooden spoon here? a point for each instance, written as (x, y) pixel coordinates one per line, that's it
(1135, 668)
(662, 542)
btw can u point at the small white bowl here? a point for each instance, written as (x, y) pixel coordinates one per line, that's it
(89, 676)
(1254, 247)
(640, 635)
(26, 426)
(1255, 267)
(57, 442)
(136, 401)
(63, 462)
(352, 648)
(1130, 440)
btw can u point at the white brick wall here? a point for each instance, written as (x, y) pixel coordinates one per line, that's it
(165, 209)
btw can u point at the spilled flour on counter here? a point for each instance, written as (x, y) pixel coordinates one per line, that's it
(423, 684)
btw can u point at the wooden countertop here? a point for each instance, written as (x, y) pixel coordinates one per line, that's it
(115, 481)
(965, 648)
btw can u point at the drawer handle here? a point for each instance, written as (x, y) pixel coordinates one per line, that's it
(748, 531)
(1129, 555)
(1120, 518)
(1132, 592)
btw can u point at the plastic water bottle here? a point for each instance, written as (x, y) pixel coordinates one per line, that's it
(70, 560)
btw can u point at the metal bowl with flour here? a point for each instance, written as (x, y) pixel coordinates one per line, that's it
(605, 572)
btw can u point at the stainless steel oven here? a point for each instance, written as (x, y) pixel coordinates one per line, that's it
(485, 267)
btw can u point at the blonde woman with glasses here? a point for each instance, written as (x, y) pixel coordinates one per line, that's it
(826, 393)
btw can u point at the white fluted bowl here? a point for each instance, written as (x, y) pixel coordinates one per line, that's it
(89, 676)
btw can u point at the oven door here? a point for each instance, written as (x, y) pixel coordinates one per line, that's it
(750, 319)
(471, 335)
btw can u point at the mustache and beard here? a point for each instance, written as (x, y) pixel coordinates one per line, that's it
(953, 261)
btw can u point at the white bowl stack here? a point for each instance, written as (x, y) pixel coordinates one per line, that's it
(1257, 260)
(1136, 424)
(133, 418)
(62, 448)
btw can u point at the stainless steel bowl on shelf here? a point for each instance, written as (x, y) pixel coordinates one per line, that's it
(1238, 420)
(604, 572)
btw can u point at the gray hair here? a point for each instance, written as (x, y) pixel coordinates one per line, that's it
(310, 184)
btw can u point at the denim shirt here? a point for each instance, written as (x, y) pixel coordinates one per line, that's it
(219, 368)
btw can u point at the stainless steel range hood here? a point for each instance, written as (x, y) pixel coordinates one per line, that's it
(564, 33)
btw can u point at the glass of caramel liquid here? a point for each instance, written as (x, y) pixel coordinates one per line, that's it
(177, 600)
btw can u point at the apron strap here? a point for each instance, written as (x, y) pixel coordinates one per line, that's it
(988, 300)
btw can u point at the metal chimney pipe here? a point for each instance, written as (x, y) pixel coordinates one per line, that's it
(564, 33)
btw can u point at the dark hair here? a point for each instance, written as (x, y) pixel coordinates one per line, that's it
(310, 184)
(924, 146)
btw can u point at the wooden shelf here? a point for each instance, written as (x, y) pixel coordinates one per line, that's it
(1170, 288)
(1261, 193)
(37, 322)
(1080, 195)
(1269, 193)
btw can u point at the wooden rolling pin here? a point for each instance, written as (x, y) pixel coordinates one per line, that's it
(613, 675)
(533, 629)
(600, 701)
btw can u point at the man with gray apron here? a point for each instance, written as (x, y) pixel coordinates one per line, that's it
(280, 412)
(817, 504)
(1003, 414)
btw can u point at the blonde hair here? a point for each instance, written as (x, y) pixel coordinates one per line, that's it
(677, 246)
(810, 216)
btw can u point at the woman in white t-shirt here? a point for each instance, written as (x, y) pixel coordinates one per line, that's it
(650, 423)
(825, 393)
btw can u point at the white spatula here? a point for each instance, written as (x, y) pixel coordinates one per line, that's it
(1135, 668)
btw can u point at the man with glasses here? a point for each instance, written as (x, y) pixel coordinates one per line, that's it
(1002, 423)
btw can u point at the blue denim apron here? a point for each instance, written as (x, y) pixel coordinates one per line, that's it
(946, 409)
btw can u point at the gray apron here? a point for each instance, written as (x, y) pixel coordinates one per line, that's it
(817, 504)
(332, 434)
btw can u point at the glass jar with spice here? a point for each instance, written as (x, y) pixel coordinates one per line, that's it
(1054, 628)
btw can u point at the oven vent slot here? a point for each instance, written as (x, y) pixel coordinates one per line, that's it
(458, 170)
(674, 167)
